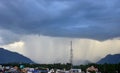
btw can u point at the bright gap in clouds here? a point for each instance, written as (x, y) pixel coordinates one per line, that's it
(44, 49)
(15, 47)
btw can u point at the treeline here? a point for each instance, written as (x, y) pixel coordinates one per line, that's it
(103, 68)
(66, 66)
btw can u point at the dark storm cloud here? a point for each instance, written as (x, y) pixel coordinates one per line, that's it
(63, 18)
(7, 37)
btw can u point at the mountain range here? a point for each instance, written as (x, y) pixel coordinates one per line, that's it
(12, 57)
(110, 59)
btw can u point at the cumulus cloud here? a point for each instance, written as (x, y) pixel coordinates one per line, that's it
(62, 18)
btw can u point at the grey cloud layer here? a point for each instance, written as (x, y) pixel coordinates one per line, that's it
(64, 18)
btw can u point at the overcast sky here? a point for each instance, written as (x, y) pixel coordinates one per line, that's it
(46, 27)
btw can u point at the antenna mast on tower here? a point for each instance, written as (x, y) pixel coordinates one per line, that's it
(71, 54)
